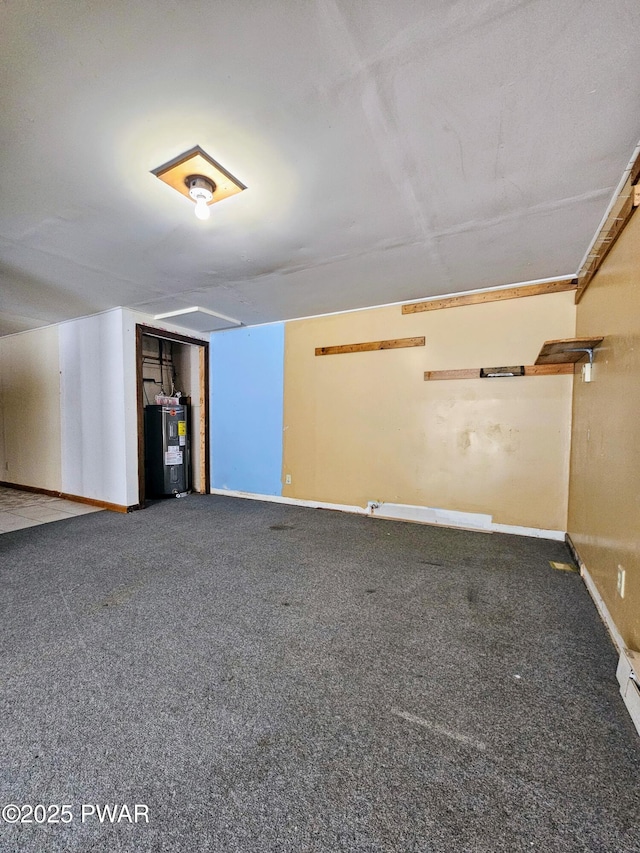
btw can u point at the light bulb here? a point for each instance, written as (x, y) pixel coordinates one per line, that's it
(201, 190)
(202, 208)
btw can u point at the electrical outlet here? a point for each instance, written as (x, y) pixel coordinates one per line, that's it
(287, 480)
(621, 578)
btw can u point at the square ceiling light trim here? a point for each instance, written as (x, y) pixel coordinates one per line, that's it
(198, 162)
(198, 319)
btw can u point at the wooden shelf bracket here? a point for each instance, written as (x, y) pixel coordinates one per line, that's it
(567, 350)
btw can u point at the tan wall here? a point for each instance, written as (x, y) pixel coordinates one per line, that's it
(366, 426)
(30, 401)
(604, 502)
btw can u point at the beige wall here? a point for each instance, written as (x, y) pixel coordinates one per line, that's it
(30, 409)
(604, 503)
(366, 426)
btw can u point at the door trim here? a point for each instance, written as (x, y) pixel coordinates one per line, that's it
(203, 382)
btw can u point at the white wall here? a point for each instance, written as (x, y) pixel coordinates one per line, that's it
(99, 405)
(94, 440)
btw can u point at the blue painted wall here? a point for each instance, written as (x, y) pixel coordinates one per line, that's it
(246, 394)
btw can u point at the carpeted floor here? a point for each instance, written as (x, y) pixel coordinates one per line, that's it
(272, 678)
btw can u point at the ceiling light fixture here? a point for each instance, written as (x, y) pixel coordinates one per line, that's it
(197, 176)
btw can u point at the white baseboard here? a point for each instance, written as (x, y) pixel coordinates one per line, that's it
(602, 608)
(406, 512)
(628, 671)
(536, 532)
(429, 515)
(454, 518)
(628, 675)
(291, 501)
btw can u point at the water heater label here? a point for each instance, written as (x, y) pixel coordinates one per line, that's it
(182, 440)
(173, 456)
(182, 427)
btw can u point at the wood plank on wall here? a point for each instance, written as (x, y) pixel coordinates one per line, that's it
(369, 346)
(612, 229)
(621, 212)
(491, 296)
(474, 372)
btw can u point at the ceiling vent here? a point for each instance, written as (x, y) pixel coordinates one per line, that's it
(198, 319)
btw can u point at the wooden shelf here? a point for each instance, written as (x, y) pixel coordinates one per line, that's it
(556, 358)
(474, 372)
(567, 350)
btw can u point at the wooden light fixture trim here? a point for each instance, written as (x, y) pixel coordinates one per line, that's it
(198, 162)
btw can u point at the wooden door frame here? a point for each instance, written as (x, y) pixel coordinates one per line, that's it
(152, 331)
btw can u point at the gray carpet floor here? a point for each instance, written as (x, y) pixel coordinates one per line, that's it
(271, 678)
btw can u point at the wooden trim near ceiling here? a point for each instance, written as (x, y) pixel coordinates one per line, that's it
(371, 346)
(203, 430)
(557, 286)
(155, 332)
(617, 220)
(474, 372)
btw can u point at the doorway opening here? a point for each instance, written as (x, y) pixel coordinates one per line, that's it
(174, 366)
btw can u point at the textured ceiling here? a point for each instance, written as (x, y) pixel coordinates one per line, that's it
(391, 151)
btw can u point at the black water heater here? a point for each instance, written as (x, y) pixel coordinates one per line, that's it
(167, 456)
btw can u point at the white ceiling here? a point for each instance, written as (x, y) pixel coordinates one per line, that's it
(392, 150)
